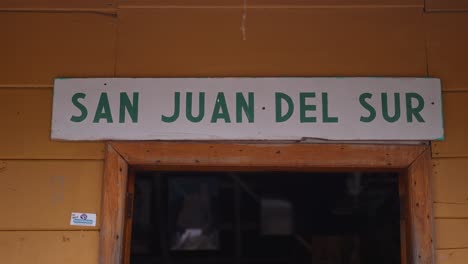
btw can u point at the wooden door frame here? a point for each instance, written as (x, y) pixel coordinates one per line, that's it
(413, 161)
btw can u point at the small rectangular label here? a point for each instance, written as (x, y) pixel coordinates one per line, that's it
(83, 219)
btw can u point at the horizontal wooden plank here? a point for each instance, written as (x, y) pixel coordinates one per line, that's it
(455, 111)
(450, 210)
(26, 121)
(277, 42)
(451, 233)
(39, 47)
(51, 247)
(312, 156)
(41, 195)
(51, 4)
(447, 38)
(450, 181)
(237, 3)
(451, 256)
(446, 5)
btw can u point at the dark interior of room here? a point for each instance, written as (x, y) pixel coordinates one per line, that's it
(266, 217)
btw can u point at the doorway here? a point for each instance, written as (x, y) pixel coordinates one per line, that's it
(265, 217)
(245, 167)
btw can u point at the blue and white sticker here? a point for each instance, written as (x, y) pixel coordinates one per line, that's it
(83, 219)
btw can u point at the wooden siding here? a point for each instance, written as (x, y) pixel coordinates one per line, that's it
(26, 120)
(447, 39)
(450, 187)
(37, 47)
(455, 126)
(276, 3)
(41, 195)
(47, 4)
(450, 210)
(447, 59)
(452, 256)
(446, 5)
(450, 180)
(45, 39)
(51, 247)
(278, 42)
(451, 233)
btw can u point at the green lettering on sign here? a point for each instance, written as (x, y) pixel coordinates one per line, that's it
(220, 110)
(242, 105)
(131, 107)
(82, 108)
(279, 108)
(368, 107)
(103, 110)
(396, 114)
(326, 118)
(414, 111)
(303, 107)
(170, 119)
(201, 107)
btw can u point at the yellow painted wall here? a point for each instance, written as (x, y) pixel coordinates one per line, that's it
(42, 181)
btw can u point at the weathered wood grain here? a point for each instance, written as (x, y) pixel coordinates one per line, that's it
(420, 215)
(278, 156)
(113, 208)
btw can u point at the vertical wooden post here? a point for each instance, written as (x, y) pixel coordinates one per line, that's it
(113, 208)
(420, 210)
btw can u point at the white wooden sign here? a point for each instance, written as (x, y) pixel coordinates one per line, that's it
(247, 109)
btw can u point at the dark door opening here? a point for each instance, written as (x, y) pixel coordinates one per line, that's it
(265, 217)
